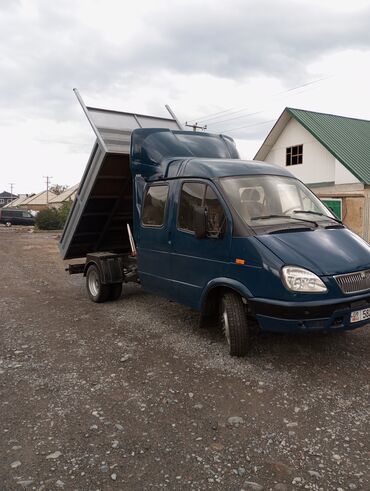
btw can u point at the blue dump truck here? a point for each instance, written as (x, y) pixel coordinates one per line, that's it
(243, 242)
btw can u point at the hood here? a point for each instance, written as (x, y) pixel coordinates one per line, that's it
(323, 251)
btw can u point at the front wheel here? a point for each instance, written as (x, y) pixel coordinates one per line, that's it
(97, 291)
(8, 224)
(235, 324)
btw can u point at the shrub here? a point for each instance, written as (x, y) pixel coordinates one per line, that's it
(48, 219)
(63, 212)
(53, 218)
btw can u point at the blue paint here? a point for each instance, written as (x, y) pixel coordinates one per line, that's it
(174, 263)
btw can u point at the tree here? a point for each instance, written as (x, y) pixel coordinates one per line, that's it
(58, 188)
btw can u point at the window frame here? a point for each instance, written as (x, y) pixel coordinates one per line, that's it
(157, 184)
(205, 184)
(290, 155)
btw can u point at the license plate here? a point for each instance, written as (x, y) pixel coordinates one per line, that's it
(360, 315)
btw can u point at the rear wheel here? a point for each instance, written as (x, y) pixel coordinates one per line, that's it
(115, 291)
(97, 291)
(235, 324)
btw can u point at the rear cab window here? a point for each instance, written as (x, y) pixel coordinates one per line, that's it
(154, 206)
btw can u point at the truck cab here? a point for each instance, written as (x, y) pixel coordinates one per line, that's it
(243, 242)
(248, 240)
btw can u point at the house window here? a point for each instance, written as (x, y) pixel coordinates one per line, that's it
(1, 200)
(294, 155)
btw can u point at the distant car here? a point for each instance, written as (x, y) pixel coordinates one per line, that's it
(9, 217)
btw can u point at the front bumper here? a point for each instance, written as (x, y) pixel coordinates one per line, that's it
(324, 315)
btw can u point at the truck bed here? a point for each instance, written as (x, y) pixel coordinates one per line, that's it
(103, 205)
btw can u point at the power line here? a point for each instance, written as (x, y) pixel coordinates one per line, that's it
(231, 111)
(252, 114)
(238, 117)
(213, 115)
(250, 125)
(261, 111)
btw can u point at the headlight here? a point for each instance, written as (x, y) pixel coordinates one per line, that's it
(301, 280)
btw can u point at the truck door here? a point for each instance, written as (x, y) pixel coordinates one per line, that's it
(154, 246)
(197, 261)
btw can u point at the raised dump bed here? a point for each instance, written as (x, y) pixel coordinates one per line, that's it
(104, 201)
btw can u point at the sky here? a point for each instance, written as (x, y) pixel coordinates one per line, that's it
(231, 65)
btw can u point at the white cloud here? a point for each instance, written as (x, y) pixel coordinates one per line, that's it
(200, 57)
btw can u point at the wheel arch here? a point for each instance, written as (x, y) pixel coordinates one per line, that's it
(215, 288)
(89, 264)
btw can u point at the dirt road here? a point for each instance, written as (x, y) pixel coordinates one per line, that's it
(132, 395)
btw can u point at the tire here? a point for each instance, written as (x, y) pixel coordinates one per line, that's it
(96, 290)
(115, 291)
(8, 224)
(235, 324)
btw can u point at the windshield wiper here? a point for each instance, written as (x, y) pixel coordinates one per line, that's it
(319, 214)
(265, 217)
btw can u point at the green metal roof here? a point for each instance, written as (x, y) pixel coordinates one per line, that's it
(348, 139)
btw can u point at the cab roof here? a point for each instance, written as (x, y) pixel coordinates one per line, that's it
(215, 168)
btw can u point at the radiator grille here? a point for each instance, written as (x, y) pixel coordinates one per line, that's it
(354, 282)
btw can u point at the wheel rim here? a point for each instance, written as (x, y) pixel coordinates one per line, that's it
(225, 324)
(94, 284)
(8, 224)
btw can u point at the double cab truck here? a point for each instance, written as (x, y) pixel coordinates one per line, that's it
(245, 243)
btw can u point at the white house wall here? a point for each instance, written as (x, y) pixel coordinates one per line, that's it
(343, 175)
(318, 166)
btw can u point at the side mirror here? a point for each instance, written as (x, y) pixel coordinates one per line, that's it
(200, 222)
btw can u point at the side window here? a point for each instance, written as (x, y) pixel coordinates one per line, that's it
(155, 205)
(192, 194)
(14, 214)
(216, 220)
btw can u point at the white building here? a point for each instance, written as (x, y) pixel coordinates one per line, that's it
(330, 154)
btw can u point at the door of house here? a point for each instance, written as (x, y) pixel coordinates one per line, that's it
(335, 205)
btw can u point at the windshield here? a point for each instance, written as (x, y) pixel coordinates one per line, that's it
(267, 200)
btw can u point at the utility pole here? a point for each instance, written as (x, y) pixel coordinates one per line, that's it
(48, 179)
(196, 127)
(11, 184)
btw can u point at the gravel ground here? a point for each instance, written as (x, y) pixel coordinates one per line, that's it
(133, 395)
